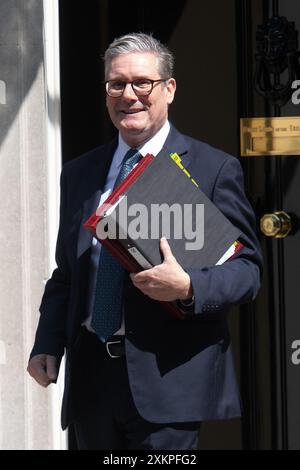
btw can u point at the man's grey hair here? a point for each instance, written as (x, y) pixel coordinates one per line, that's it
(140, 42)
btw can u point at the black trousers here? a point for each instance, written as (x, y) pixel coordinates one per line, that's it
(106, 416)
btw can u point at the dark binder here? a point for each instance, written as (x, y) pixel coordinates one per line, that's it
(156, 183)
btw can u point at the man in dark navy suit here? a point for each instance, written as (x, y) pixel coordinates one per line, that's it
(149, 381)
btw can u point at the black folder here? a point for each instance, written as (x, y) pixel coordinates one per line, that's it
(161, 184)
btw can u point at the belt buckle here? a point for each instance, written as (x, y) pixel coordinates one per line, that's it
(107, 344)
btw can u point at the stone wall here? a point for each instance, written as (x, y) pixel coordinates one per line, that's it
(26, 410)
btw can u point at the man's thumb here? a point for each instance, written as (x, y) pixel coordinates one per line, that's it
(166, 250)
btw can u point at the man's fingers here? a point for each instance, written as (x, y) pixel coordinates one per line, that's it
(37, 368)
(139, 281)
(51, 367)
(141, 277)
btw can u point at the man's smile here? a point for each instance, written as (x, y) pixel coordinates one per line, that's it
(132, 111)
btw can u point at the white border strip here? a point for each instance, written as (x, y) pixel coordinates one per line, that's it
(53, 139)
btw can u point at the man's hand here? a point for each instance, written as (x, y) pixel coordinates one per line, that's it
(43, 369)
(167, 281)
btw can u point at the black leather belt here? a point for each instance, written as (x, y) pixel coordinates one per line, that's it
(115, 347)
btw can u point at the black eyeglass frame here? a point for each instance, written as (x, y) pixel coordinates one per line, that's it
(138, 93)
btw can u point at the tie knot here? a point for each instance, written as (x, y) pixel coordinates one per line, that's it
(130, 159)
(131, 155)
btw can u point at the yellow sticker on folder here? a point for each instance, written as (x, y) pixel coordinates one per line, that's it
(177, 160)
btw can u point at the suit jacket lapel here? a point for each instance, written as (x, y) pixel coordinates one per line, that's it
(176, 143)
(95, 184)
(89, 207)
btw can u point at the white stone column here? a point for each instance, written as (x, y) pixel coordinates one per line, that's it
(30, 165)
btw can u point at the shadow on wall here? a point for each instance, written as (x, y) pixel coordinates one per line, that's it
(21, 54)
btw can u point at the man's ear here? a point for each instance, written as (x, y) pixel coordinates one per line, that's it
(171, 88)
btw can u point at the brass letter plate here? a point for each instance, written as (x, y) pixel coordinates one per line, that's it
(270, 136)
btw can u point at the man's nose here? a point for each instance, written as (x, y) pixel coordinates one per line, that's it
(128, 92)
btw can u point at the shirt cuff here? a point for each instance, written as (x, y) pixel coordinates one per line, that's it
(187, 305)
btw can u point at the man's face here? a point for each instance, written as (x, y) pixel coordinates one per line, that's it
(139, 118)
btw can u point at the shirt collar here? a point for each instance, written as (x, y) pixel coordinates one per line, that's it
(153, 145)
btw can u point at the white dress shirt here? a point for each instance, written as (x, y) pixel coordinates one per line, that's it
(153, 146)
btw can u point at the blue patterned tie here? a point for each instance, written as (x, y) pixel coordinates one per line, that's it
(106, 317)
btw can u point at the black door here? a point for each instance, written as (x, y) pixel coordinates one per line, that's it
(270, 329)
(215, 54)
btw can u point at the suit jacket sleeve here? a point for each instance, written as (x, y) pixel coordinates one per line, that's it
(238, 280)
(50, 335)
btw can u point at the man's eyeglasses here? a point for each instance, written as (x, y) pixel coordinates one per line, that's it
(141, 87)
